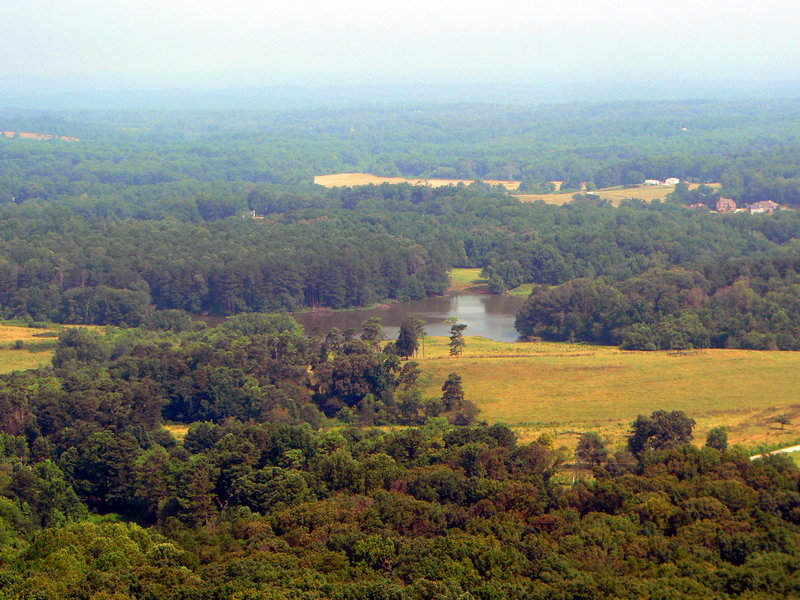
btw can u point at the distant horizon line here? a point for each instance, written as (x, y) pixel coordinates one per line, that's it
(303, 94)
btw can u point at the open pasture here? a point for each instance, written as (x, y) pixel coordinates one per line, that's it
(11, 333)
(12, 359)
(37, 346)
(566, 389)
(467, 279)
(21, 360)
(614, 195)
(352, 179)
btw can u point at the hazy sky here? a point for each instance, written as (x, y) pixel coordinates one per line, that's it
(165, 43)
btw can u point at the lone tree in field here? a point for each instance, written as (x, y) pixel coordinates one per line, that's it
(452, 392)
(457, 339)
(783, 420)
(718, 438)
(660, 431)
(412, 329)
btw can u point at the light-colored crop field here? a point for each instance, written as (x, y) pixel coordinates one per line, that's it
(566, 389)
(352, 179)
(614, 195)
(11, 333)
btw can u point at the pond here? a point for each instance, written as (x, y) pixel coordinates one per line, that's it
(485, 315)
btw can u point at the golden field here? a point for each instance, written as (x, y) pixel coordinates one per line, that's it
(352, 179)
(614, 195)
(566, 389)
(11, 333)
(17, 360)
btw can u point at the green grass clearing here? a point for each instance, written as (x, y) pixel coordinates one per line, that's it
(467, 280)
(566, 389)
(21, 360)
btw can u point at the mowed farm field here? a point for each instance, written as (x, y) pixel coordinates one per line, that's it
(565, 389)
(37, 346)
(352, 179)
(614, 195)
(12, 359)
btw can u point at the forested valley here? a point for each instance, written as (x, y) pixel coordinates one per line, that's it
(160, 458)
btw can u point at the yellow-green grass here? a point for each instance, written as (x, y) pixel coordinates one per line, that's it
(178, 430)
(467, 280)
(523, 290)
(20, 360)
(12, 359)
(11, 333)
(614, 195)
(566, 389)
(351, 179)
(470, 280)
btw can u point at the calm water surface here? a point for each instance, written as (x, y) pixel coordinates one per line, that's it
(485, 315)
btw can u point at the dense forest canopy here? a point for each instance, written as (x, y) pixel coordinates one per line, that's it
(141, 156)
(353, 247)
(98, 500)
(310, 466)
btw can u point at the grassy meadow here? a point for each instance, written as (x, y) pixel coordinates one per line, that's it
(37, 345)
(467, 280)
(566, 389)
(29, 356)
(351, 179)
(21, 360)
(470, 280)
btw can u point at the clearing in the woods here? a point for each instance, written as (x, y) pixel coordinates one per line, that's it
(566, 389)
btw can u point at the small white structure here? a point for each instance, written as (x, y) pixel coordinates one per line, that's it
(672, 181)
(763, 207)
(652, 182)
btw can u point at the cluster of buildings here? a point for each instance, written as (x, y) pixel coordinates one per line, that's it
(667, 181)
(728, 205)
(724, 205)
(762, 207)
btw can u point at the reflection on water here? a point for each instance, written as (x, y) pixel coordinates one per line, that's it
(485, 315)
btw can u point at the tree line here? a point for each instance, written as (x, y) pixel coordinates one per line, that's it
(749, 303)
(347, 248)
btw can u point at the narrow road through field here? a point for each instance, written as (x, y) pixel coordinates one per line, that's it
(781, 451)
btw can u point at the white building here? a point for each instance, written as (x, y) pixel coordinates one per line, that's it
(652, 182)
(763, 207)
(672, 181)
